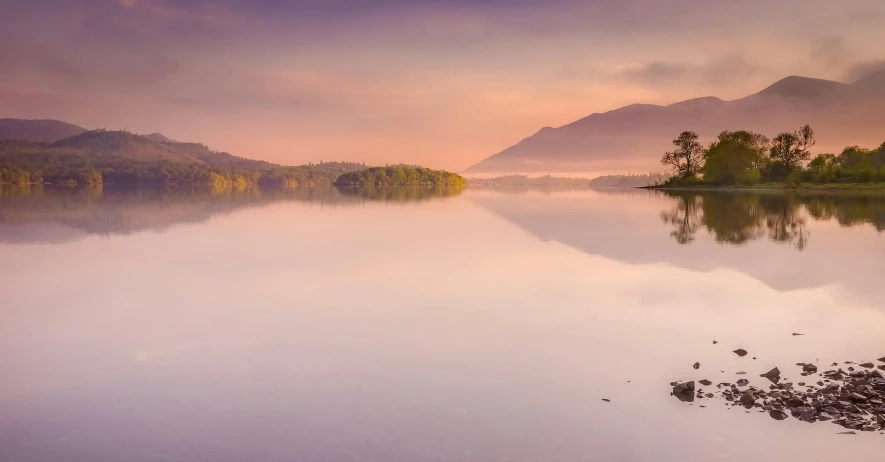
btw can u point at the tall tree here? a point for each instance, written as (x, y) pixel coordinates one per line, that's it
(735, 157)
(789, 150)
(686, 159)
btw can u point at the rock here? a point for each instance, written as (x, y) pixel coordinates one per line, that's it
(867, 365)
(795, 402)
(740, 352)
(696, 365)
(847, 433)
(778, 415)
(684, 392)
(810, 368)
(715, 342)
(705, 382)
(743, 382)
(747, 399)
(796, 334)
(740, 373)
(882, 359)
(858, 397)
(606, 400)
(774, 375)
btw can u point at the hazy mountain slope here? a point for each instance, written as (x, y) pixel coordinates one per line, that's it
(125, 145)
(635, 136)
(47, 131)
(159, 138)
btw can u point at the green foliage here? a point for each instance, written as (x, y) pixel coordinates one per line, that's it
(687, 158)
(745, 158)
(735, 158)
(788, 152)
(400, 176)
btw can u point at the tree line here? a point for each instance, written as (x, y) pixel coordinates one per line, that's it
(746, 158)
(400, 176)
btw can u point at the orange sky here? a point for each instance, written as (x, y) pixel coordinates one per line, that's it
(440, 83)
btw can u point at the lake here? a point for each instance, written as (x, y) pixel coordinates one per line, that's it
(326, 325)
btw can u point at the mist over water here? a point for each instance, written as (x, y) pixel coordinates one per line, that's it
(424, 325)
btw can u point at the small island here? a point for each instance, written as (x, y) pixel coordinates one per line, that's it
(744, 159)
(400, 176)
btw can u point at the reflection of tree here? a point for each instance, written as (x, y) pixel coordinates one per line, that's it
(400, 194)
(784, 220)
(848, 209)
(684, 217)
(109, 210)
(738, 218)
(732, 218)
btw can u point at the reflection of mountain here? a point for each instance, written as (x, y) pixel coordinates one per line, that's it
(55, 215)
(756, 234)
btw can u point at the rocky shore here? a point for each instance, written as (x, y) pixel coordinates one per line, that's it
(849, 395)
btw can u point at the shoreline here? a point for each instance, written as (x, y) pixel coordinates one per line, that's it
(824, 187)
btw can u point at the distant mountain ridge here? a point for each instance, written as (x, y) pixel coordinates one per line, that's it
(634, 137)
(44, 131)
(50, 131)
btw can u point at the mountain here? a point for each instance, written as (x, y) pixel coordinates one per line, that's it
(124, 145)
(48, 131)
(159, 138)
(634, 137)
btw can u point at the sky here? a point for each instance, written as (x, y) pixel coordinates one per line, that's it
(439, 83)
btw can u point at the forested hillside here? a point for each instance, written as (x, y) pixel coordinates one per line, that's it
(120, 157)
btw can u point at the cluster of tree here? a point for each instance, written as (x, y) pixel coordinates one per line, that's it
(399, 176)
(123, 158)
(629, 181)
(745, 158)
(522, 181)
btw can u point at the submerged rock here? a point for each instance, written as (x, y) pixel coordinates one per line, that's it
(740, 352)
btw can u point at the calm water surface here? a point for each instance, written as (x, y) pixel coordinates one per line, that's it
(400, 326)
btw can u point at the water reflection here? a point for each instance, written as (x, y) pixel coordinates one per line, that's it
(740, 217)
(737, 218)
(786, 240)
(36, 214)
(405, 194)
